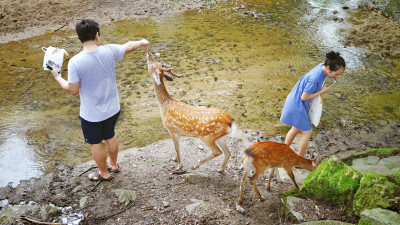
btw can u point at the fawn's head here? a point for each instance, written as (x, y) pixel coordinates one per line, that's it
(156, 71)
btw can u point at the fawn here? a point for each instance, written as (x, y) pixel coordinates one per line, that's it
(209, 124)
(268, 154)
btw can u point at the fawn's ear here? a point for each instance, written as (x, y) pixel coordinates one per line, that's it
(315, 162)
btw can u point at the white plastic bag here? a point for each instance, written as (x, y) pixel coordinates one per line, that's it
(314, 110)
(53, 54)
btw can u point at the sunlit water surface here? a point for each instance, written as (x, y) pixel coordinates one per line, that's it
(244, 60)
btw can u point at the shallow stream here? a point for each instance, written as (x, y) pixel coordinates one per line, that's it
(241, 57)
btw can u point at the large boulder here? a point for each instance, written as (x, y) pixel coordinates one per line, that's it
(376, 191)
(379, 217)
(333, 182)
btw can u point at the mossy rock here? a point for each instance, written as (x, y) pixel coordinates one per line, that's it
(375, 191)
(333, 182)
(380, 152)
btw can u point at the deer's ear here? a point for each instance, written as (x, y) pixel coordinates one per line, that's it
(168, 77)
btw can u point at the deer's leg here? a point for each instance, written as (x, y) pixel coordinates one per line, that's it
(240, 200)
(222, 143)
(215, 152)
(175, 139)
(253, 180)
(289, 171)
(271, 174)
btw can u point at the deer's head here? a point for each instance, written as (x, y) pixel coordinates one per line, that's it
(156, 71)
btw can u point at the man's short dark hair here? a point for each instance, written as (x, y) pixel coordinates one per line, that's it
(87, 29)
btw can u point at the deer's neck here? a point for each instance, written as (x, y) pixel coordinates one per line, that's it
(162, 94)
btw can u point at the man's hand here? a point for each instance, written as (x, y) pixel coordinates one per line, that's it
(145, 43)
(54, 72)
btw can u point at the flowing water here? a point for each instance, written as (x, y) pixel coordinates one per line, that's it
(241, 56)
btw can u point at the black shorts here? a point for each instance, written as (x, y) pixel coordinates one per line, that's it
(96, 132)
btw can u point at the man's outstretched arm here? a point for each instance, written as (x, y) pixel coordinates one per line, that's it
(131, 46)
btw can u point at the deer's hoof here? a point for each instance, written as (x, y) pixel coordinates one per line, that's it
(262, 199)
(221, 170)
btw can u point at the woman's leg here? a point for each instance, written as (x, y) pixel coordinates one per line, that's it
(291, 135)
(304, 139)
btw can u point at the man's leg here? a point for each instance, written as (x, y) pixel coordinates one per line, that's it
(304, 139)
(112, 147)
(291, 135)
(100, 157)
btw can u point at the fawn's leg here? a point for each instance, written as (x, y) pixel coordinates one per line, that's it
(271, 174)
(240, 200)
(222, 143)
(253, 180)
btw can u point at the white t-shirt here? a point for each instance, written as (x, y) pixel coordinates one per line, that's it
(96, 73)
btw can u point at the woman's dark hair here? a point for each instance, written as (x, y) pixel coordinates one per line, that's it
(87, 29)
(334, 61)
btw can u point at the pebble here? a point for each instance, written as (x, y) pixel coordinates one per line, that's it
(239, 209)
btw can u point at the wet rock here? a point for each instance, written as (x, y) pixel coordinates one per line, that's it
(379, 216)
(44, 213)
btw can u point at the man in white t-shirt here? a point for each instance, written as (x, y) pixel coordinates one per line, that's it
(91, 74)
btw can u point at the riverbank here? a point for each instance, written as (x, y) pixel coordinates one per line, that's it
(162, 196)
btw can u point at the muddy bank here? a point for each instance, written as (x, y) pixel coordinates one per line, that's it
(162, 196)
(375, 31)
(23, 19)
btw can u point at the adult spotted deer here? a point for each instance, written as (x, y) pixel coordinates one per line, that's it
(209, 124)
(263, 155)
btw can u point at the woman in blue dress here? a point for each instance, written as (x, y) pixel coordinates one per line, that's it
(294, 113)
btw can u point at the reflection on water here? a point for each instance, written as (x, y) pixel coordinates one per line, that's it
(243, 58)
(18, 161)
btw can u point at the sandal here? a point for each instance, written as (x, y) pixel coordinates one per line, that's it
(113, 171)
(95, 176)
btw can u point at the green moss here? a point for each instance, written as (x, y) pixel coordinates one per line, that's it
(364, 222)
(332, 182)
(375, 191)
(396, 177)
(383, 150)
(293, 193)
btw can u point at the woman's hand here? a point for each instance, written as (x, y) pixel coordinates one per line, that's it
(325, 88)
